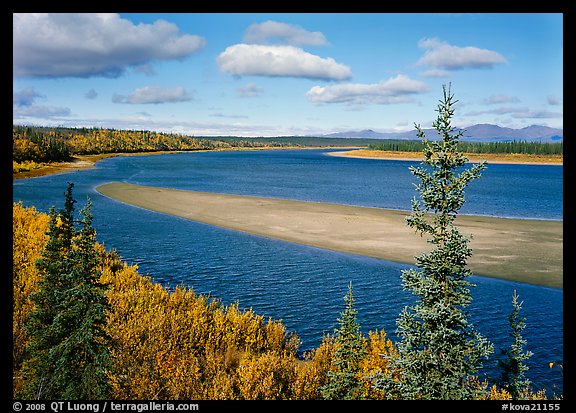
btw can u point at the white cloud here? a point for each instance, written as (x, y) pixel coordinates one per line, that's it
(277, 61)
(498, 99)
(224, 115)
(154, 95)
(438, 73)
(249, 91)
(92, 44)
(40, 111)
(441, 55)
(537, 114)
(24, 106)
(25, 97)
(231, 127)
(282, 33)
(518, 112)
(391, 91)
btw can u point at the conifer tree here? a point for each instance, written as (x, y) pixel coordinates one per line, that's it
(344, 382)
(513, 368)
(68, 357)
(439, 349)
(39, 326)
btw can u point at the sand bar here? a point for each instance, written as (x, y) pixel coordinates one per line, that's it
(528, 251)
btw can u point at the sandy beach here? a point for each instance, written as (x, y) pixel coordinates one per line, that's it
(513, 249)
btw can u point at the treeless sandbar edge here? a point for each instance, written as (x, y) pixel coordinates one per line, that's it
(529, 251)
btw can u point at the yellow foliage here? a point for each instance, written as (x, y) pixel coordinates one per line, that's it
(496, 393)
(312, 373)
(169, 345)
(266, 376)
(29, 237)
(378, 346)
(25, 166)
(181, 345)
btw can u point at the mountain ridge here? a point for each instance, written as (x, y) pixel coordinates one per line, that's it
(481, 132)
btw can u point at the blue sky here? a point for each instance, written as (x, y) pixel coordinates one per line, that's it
(276, 74)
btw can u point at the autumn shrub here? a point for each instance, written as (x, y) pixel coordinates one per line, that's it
(169, 345)
(25, 166)
(28, 239)
(181, 345)
(312, 372)
(266, 376)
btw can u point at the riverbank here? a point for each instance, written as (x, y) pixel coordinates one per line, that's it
(510, 158)
(77, 163)
(520, 250)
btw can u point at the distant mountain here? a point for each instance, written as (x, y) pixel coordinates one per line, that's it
(529, 133)
(366, 133)
(476, 133)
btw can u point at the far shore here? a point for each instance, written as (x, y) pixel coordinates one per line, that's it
(529, 251)
(507, 158)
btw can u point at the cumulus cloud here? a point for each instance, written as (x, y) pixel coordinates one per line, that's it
(441, 55)
(92, 44)
(24, 104)
(277, 61)
(251, 90)
(438, 73)
(40, 111)
(498, 99)
(91, 94)
(25, 97)
(282, 33)
(518, 112)
(154, 95)
(391, 91)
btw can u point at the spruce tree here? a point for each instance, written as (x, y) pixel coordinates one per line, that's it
(513, 368)
(439, 349)
(68, 356)
(344, 382)
(39, 326)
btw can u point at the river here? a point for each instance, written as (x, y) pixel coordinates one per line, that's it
(305, 286)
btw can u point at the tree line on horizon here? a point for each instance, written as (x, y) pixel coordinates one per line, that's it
(33, 146)
(508, 147)
(88, 326)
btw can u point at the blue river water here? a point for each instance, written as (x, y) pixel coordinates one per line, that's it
(304, 286)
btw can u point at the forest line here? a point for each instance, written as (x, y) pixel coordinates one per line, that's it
(39, 150)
